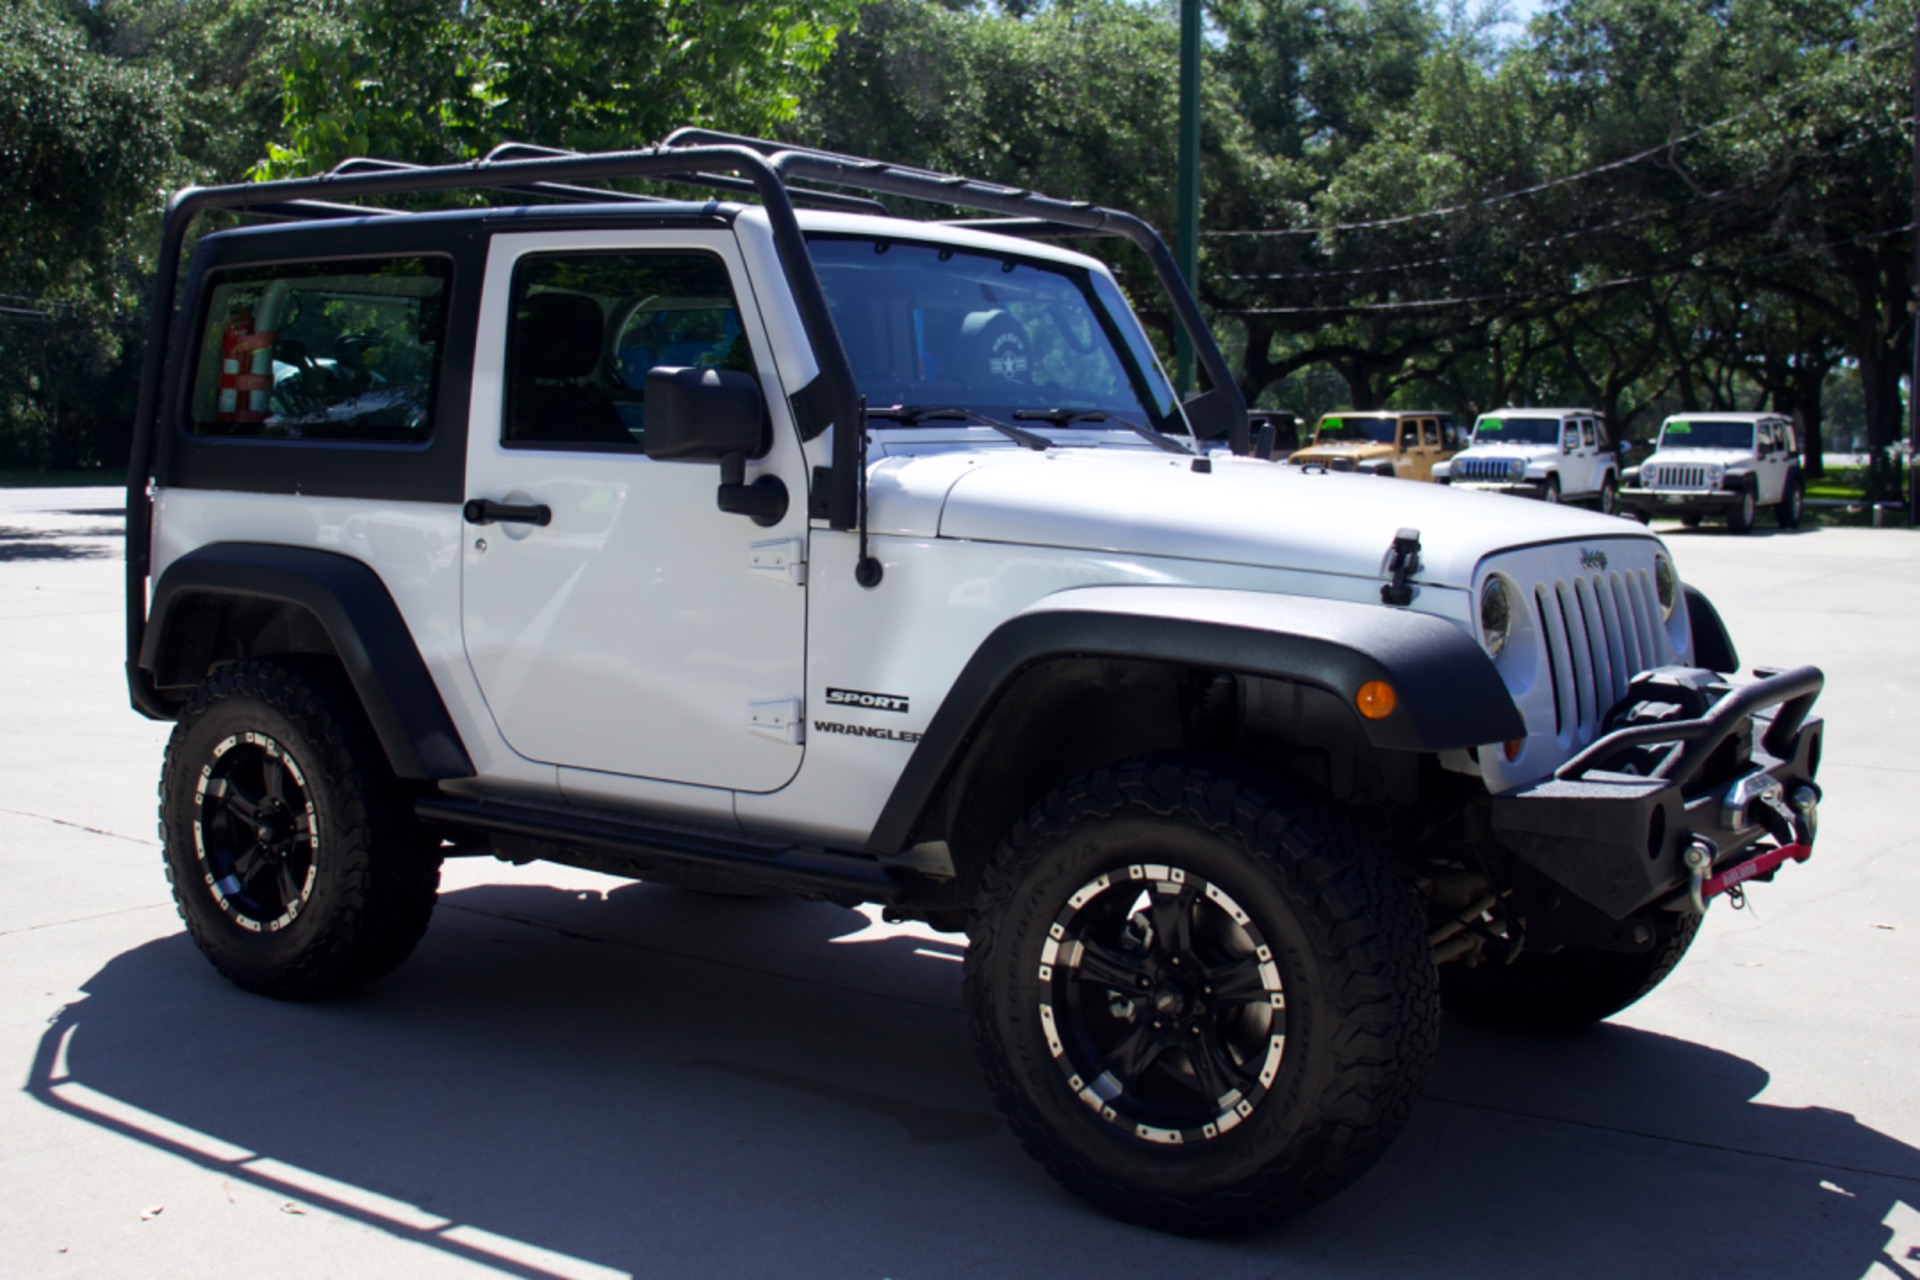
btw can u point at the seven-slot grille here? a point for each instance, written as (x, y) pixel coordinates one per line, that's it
(1480, 468)
(1676, 475)
(1602, 629)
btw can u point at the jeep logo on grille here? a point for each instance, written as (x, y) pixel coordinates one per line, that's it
(1592, 559)
(871, 701)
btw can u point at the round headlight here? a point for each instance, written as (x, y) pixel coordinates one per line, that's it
(1666, 586)
(1516, 469)
(1496, 615)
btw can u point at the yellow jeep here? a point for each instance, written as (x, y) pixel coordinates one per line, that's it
(1383, 442)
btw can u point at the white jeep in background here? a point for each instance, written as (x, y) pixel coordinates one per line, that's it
(769, 541)
(1720, 464)
(1556, 455)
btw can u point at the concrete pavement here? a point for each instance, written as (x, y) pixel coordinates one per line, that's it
(577, 1076)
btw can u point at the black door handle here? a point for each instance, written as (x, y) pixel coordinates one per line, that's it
(487, 511)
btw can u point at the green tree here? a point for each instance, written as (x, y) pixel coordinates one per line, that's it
(84, 144)
(435, 80)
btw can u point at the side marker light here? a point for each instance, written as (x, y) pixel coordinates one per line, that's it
(1376, 699)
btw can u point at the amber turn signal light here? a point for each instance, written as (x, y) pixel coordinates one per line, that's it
(1376, 699)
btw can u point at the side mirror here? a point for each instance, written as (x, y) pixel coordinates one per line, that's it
(715, 415)
(703, 415)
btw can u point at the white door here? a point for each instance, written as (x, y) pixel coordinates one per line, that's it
(1771, 467)
(642, 631)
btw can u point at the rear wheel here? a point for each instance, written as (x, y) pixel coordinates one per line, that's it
(1567, 989)
(1203, 1003)
(1608, 496)
(1792, 504)
(292, 850)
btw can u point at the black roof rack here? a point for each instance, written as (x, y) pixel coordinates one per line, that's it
(779, 175)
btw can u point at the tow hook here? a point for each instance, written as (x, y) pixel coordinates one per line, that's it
(1699, 860)
(1703, 886)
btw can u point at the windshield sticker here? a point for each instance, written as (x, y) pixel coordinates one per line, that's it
(1009, 357)
(1679, 429)
(1491, 424)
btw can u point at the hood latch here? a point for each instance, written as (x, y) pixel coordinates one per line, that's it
(1403, 561)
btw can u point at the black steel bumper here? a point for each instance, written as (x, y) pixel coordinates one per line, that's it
(1690, 502)
(1642, 816)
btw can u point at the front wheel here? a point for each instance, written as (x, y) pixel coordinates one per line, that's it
(1550, 492)
(1740, 518)
(293, 853)
(1203, 1003)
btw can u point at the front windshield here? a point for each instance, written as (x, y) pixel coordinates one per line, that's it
(1356, 430)
(932, 325)
(1682, 433)
(1517, 431)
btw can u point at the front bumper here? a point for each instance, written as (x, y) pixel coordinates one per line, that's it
(1648, 813)
(1679, 502)
(1518, 488)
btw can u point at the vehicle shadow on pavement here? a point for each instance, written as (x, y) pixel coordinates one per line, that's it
(655, 1081)
(58, 544)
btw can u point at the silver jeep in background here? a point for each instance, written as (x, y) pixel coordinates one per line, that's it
(1720, 464)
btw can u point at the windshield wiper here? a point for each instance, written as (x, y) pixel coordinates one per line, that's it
(913, 415)
(1067, 417)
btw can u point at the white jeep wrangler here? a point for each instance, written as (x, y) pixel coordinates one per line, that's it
(1720, 464)
(745, 545)
(1557, 455)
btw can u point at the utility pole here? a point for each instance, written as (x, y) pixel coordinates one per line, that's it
(1188, 239)
(1913, 303)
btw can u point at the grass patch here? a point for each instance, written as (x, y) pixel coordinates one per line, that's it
(22, 479)
(1849, 485)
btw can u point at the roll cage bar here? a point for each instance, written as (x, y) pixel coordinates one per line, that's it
(780, 176)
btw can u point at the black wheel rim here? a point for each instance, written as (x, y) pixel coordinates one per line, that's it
(1162, 1004)
(255, 832)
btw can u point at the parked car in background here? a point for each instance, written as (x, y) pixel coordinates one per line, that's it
(1386, 442)
(1556, 455)
(1720, 464)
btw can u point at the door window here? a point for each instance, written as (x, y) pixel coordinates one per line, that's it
(1570, 437)
(586, 329)
(1429, 433)
(1586, 432)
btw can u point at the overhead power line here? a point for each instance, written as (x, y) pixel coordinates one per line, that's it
(1525, 295)
(1582, 175)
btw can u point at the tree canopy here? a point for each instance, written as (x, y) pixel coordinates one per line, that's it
(1645, 205)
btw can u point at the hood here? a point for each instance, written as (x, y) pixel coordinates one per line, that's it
(1700, 457)
(1525, 452)
(1345, 449)
(1242, 512)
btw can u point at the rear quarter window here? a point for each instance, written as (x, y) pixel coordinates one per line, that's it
(329, 351)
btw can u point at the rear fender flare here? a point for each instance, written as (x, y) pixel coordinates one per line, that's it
(363, 625)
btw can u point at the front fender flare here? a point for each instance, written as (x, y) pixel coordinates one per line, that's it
(1449, 694)
(350, 602)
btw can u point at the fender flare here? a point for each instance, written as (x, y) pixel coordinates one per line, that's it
(1449, 694)
(353, 606)
(1712, 645)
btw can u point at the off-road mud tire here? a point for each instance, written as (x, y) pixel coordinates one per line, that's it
(1350, 944)
(1566, 990)
(1792, 506)
(375, 870)
(1741, 518)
